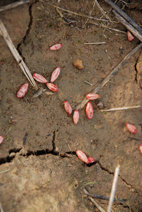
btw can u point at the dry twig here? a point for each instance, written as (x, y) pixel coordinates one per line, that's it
(124, 15)
(88, 83)
(128, 26)
(90, 13)
(95, 43)
(1, 209)
(88, 17)
(113, 190)
(120, 108)
(108, 78)
(102, 11)
(108, 28)
(97, 205)
(16, 55)
(102, 197)
(41, 91)
(78, 14)
(68, 21)
(13, 5)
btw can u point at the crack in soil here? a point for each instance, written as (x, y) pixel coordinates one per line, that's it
(28, 28)
(129, 185)
(9, 158)
(112, 173)
(53, 142)
(104, 169)
(40, 152)
(15, 151)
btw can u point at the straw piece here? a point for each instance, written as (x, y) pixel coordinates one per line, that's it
(97, 205)
(109, 77)
(120, 108)
(95, 43)
(16, 55)
(129, 27)
(124, 15)
(102, 11)
(13, 5)
(78, 14)
(1, 209)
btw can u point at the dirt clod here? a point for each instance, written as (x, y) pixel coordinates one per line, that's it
(78, 64)
(100, 105)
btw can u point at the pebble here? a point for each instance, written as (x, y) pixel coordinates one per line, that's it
(78, 64)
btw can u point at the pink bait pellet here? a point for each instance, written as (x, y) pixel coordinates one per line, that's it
(130, 36)
(55, 74)
(76, 116)
(82, 156)
(1, 139)
(52, 87)
(89, 110)
(140, 148)
(92, 96)
(90, 160)
(68, 107)
(22, 91)
(132, 129)
(39, 78)
(56, 47)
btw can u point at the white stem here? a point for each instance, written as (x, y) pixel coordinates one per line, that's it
(113, 189)
(120, 108)
(1, 209)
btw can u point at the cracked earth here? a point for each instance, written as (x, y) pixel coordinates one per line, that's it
(39, 170)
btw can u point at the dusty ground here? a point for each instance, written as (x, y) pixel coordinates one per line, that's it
(42, 172)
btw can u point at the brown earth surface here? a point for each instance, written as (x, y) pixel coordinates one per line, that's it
(39, 170)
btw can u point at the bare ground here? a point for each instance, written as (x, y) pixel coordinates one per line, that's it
(40, 171)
